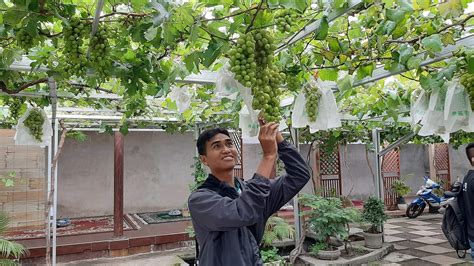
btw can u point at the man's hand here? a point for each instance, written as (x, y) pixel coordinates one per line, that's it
(267, 138)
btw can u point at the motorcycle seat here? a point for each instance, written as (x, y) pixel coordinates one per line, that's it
(450, 194)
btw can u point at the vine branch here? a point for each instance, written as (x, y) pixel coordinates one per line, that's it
(254, 16)
(3, 86)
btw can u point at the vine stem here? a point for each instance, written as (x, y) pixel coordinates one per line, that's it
(254, 16)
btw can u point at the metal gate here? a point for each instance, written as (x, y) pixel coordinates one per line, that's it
(441, 164)
(236, 137)
(390, 173)
(330, 173)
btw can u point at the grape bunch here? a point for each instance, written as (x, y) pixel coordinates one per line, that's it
(467, 80)
(25, 40)
(284, 21)
(100, 51)
(293, 83)
(251, 62)
(14, 106)
(74, 34)
(313, 96)
(34, 122)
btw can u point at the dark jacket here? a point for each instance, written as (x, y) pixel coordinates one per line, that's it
(229, 227)
(467, 205)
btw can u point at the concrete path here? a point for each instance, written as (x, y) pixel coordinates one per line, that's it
(149, 259)
(419, 241)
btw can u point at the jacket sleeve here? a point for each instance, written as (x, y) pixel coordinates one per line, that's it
(287, 186)
(216, 213)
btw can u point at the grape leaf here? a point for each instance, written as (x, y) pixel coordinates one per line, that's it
(328, 74)
(322, 31)
(432, 43)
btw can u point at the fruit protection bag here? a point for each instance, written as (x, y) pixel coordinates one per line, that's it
(226, 85)
(23, 136)
(182, 97)
(327, 116)
(457, 108)
(418, 106)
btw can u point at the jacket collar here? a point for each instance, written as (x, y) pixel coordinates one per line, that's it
(214, 184)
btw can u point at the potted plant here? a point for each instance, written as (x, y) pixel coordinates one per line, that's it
(374, 214)
(401, 189)
(328, 220)
(275, 229)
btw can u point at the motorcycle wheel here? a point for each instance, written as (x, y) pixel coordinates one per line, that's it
(414, 210)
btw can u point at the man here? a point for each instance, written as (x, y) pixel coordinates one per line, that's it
(229, 215)
(468, 198)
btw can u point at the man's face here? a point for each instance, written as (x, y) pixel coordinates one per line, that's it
(221, 153)
(470, 155)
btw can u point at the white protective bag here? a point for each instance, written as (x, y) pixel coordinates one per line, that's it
(328, 115)
(182, 97)
(226, 85)
(457, 108)
(23, 136)
(418, 106)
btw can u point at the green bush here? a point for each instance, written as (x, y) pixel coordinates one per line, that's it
(399, 187)
(277, 229)
(270, 255)
(327, 218)
(374, 214)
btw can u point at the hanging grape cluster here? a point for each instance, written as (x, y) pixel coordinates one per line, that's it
(24, 39)
(313, 96)
(34, 122)
(293, 83)
(74, 34)
(251, 61)
(100, 51)
(14, 106)
(284, 20)
(467, 80)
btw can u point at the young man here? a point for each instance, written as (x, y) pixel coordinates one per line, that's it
(468, 198)
(229, 215)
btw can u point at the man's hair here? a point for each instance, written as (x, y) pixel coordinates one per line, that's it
(207, 135)
(468, 147)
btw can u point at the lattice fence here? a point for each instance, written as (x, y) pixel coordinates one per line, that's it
(390, 173)
(441, 164)
(330, 173)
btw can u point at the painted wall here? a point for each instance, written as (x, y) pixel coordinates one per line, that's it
(156, 173)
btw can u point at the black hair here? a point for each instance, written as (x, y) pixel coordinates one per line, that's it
(468, 147)
(207, 135)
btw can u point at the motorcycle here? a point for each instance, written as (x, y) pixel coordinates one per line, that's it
(427, 197)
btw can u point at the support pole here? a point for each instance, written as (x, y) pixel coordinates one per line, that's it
(118, 184)
(296, 207)
(378, 163)
(53, 176)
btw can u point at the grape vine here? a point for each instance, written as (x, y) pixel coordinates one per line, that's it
(74, 34)
(100, 52)
(34, 122)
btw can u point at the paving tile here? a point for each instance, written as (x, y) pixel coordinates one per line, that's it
(399, 247)
(415, 253)
(422, 227)
(429, 240)
(398, 257)
(453, 254)
(407, 236)
(441, 259)
(434, 249)
(391, 239)
(425, 233)
(418, 262)
(391, 232)
(410, 244)
(418, 222)
(390, 226)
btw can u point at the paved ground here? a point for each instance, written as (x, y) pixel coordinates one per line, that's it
(420, 241)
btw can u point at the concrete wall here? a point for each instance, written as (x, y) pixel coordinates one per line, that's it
(458, 163)
(156, 173)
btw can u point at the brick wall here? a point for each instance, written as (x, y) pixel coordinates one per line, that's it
(24, 201)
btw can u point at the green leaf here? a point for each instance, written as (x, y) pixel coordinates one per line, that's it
(333, 44)
(423, 4)
(451, 9)
(447, 38)
(337, 4)
(213, 51)
(328, 74)
(413, 62)
(299, 5)
(432, 43)
(365, 71)
(395, 15)
(191, 62)
(470, 64)
(405, 52)
(13, 17)
(322, 31)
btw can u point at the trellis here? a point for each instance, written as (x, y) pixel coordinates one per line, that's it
(208, 77)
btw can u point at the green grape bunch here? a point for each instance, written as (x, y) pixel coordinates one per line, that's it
(75, 32)
(313, 96)
(284, 20)
(100, 52)
(14, 106)
(34, 122)
(24, 39)
(467, 80)
(251, 61)
(293, 83)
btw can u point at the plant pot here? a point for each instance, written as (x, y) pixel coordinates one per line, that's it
(328, 254)
(373, 240)
(185, 212)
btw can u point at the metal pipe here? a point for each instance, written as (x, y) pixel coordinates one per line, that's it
(296, 209)
(55, 194)
(397, 143)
